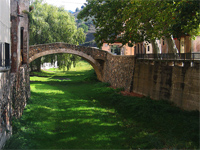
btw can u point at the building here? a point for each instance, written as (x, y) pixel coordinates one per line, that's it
(5, 43)
(124, 50)
(14, 75)
(5, 34)
(184, 45)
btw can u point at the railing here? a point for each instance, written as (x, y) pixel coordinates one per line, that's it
(5, 63)
(170, 56)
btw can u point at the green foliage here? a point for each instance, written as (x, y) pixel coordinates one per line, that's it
(142, 20)
(187, 18)
(85, 27)
(49, 24)
(69, 61)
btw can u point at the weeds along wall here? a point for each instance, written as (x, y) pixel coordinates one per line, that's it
(175, 81)
(14, 92)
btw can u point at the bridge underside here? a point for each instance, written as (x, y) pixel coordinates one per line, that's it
(96, 64)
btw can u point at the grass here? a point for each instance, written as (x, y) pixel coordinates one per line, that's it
(72, 110)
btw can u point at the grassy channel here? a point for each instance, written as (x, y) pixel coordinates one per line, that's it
(72, 110)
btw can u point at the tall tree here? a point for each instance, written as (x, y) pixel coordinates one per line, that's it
(138, 20)
(49, 24)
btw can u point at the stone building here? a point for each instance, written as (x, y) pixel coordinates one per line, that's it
(14, 76)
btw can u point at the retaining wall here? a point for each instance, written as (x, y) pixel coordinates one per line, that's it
(175, 81)
(14, 92)
(178, 83)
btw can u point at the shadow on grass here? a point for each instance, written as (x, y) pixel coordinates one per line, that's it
(52, 123)
(85, 114)
(161, 122)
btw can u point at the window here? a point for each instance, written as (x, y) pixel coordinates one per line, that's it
(141, 48)
(7, 55)
(22, 44)
(163, 42)
(148, 48)
(4, 55)
(1, 54)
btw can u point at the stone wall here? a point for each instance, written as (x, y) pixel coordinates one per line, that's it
(21, 90)
(178, 83)
(118, 71)
(14, 93)
(5, 107)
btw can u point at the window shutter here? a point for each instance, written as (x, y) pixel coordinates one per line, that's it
(1, 54)
(7, 55)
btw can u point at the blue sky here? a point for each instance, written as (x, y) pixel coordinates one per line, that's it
(68, 4)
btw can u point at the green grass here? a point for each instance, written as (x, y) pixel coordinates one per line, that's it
(72, 110)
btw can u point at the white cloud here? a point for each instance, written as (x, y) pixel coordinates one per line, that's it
(68, 4)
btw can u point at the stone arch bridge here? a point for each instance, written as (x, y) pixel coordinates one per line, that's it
(94, 56)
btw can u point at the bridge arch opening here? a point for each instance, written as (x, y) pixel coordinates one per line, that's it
(94, 63)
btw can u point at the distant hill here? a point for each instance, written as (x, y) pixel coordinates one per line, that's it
(90, 33)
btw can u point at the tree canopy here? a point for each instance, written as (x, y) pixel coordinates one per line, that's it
(132, 21)
(49, 24)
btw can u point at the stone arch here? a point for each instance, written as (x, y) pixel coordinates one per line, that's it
(94, 63)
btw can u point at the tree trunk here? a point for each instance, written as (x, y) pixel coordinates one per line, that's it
(155, 47)
(31, 66)
(38, 64)
(171, 45)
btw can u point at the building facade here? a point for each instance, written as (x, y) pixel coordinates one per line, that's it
(14, 75)
(5, 43)
(124, 49)
(4, 34)
(184, 45)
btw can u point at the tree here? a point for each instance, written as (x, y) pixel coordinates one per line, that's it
(82, 6)
(84, 26)
(49, 24)
(137, 20)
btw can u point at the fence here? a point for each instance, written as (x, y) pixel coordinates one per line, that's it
(170, 56)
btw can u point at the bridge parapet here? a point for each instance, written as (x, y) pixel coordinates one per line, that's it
(93, 52)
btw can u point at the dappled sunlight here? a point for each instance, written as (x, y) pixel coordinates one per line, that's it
(68, 139)
(101, 137)
(86, 114)
(48, 89)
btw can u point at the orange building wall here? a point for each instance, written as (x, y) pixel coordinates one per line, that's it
(164, 48)
(129, 50)
(196, 45)
(142, 48)
(106, 47)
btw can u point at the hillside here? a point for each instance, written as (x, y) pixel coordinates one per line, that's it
(90, 39)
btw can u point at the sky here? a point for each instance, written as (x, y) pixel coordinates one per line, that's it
(68, 4)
